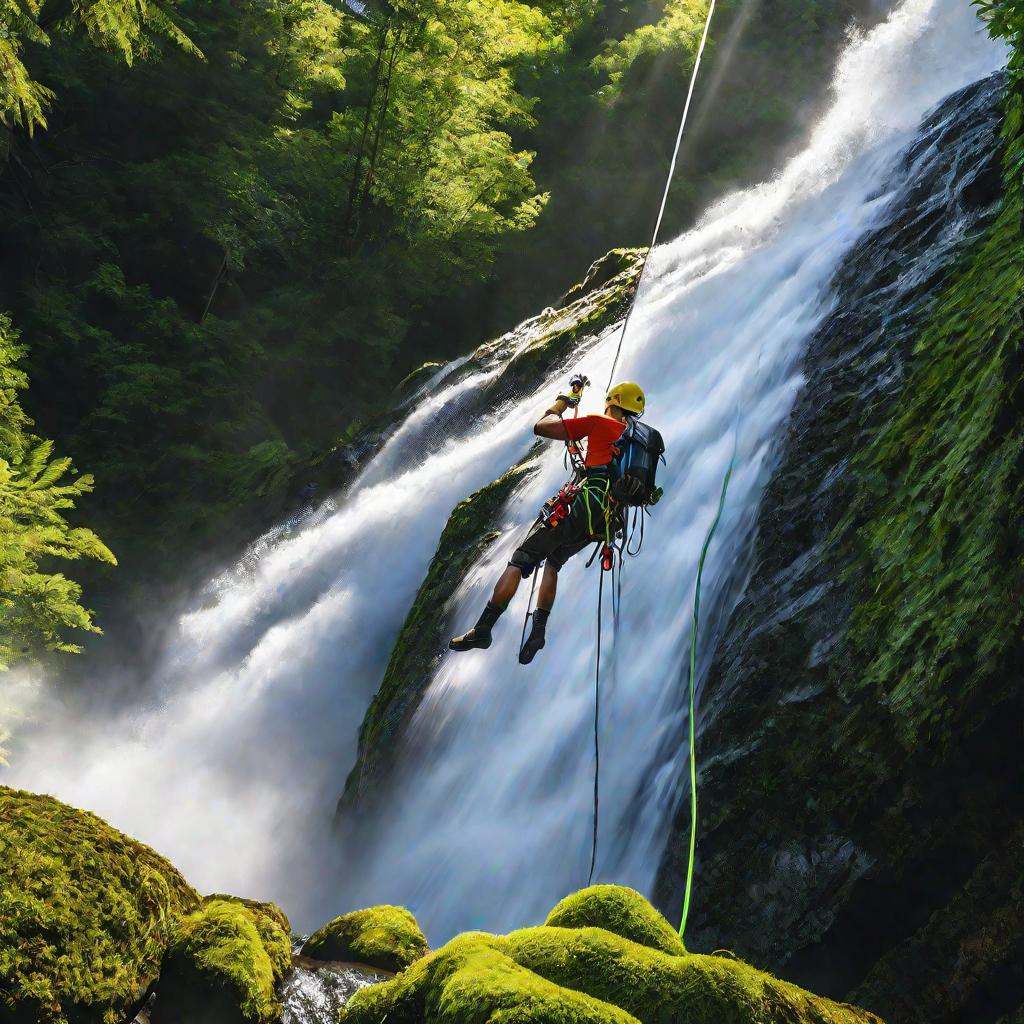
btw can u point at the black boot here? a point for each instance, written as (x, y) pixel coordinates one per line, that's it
(479, 637)
(535, 641)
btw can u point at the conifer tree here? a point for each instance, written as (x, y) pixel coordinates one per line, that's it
(37, 605)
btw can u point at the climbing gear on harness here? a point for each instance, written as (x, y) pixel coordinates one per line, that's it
(555, 510)
(528, 650)
(628, 397)
(479, 637)
(640, 449)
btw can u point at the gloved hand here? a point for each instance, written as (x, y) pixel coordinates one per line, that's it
(576, 386)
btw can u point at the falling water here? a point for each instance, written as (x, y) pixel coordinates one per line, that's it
(234, 766)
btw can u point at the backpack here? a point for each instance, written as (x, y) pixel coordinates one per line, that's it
(636, 465)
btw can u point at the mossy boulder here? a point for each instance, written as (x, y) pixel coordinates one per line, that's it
(86, 915)
(224, 964)
(588, 975)
(385, 937)
(620, 910)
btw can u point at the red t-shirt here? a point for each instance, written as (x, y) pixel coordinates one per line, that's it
(601, 433)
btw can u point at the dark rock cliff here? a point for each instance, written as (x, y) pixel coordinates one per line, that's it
(861, 784)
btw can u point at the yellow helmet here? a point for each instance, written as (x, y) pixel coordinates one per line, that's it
(628, 396)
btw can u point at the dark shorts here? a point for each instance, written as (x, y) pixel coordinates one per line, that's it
(557, 544)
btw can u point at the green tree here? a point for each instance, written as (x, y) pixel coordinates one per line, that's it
(37, 605)
(125, 27)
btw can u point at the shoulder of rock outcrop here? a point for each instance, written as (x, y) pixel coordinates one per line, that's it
(224, 964)
(530, 352)
(417, 651)
(861, 806)
(86, 914)
(384, 937)
(605, 964)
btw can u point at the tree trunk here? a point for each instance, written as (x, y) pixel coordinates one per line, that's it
(378, 131)
(346, 226)
(221, 274)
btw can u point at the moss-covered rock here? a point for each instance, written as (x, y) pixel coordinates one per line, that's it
(587, 975)
(224, 964)
(604, 270)
(385, 937)
(617, 909)
(468, 533)
(85, 914)
(856, 771)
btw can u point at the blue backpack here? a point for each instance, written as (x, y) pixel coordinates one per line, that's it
(635, 468)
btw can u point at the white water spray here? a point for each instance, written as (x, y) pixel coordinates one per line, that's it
(234, 768)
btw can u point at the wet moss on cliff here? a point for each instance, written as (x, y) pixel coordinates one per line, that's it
(842, 851)
(939, 537)
(572, 975)
(468, 533)
(384, 937)
(225, 962)
(85, 914)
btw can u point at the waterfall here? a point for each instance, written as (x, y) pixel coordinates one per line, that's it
(233, 766)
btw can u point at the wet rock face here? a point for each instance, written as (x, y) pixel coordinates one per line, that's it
(829, 848)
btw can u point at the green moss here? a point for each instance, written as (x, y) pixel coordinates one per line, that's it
(621, 911)
(85, 914)
(274, 930)
(470, 530)
(591, 309)
(604, 270)
(385, 937)
(587, 976)
(937, 529)
(230, 954)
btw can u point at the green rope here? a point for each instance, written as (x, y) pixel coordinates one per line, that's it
(693, 684)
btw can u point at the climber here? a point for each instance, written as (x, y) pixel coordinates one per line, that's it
(580, 514)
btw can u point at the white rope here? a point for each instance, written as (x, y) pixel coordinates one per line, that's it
(668, 186)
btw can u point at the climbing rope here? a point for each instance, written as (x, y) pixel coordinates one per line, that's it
(600, 592)
(668, 186)
(693, 687)
(597, 732)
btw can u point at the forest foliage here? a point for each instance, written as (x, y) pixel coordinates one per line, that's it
(228, 229)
